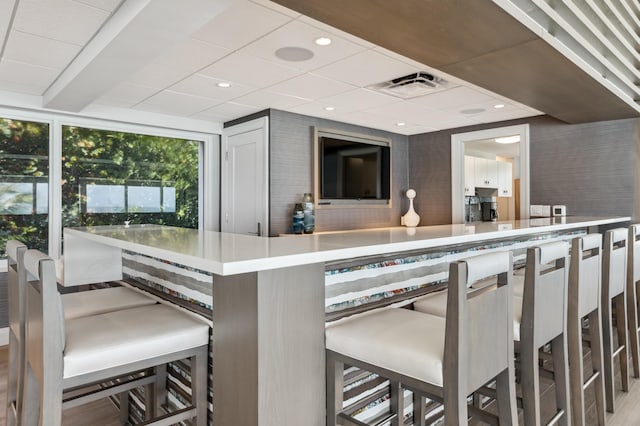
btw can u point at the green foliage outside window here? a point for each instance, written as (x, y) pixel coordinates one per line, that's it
(93, 160)
(24, 166)
(92, 157)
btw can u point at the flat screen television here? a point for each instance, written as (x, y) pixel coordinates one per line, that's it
(352, 168)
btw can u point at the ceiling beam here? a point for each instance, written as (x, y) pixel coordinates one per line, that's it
(479, 42)
(137, 33)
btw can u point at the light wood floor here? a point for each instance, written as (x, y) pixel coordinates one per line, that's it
(103, 413)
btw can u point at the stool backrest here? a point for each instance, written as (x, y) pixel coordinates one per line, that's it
(614, 262)
(544, 300)
(633, 258)
(44, 318)
(479, 324)
(16, 286)
(585, 273)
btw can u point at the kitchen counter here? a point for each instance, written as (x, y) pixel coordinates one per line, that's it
(229, 254)
(268, 294)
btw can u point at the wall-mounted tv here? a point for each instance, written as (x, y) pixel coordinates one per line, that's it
(351, 169)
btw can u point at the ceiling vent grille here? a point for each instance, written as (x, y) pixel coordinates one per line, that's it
(411, 86)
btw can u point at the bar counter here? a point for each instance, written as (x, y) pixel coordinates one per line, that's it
(268, 294)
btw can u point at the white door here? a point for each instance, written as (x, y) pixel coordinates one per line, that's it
(245, 178)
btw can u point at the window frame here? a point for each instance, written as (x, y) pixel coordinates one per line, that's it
(208, 154)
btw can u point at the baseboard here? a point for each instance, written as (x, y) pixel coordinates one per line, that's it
(4, 336)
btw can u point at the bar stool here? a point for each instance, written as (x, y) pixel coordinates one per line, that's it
(442, 359)
(68, 355)
(633, 292)
(584, 301)
(16, 283)
(544, 319)
(614, 284)
(76, 305)
(535, 325)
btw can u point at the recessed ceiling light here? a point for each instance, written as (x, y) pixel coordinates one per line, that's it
(400, 124)
(329, 108)
(224, 84)
(294, 54)
(508, 139)
(498, 106)
(323, 41)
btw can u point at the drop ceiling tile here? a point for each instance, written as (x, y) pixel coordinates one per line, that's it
(178, 63)
(401, 111)
(201, 85)
(493, 115)
(36, 50)
(310, 86)
(130, 93)
(366, 68)
(357, 99)
(108, 5)
(25, 78)
(441, 120)
(226, 112)
(278, 8)
(168, 102)
(314, 109)
(368, 119)
(6, 10)
(62, 20)
(240, 24)
(407, 129)
(331, 30)
(457, 97)
(299, 34)
(264, 99)
(250, 70)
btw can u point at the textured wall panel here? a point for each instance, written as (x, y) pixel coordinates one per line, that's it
(430, 176)
(588, 167)
(292, 175)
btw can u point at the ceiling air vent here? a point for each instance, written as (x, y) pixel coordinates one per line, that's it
(411, 86)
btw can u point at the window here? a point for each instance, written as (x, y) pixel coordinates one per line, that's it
(110, 177)
(24, 183)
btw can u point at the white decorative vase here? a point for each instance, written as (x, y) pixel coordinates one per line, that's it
(411, 218)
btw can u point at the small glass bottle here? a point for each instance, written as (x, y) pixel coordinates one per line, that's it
(309, 214)
(298, 219)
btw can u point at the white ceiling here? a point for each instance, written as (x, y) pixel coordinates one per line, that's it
(493, 148)
(43, 42)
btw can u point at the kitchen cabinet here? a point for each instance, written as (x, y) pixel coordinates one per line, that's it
(505, 179)
(469, 176)
(486, 172)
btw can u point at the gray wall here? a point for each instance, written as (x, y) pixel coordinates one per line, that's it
(589, 167)
(292, 175)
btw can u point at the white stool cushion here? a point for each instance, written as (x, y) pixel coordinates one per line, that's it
(518, 285)
(93, 302)
(401, 340)
(517, 317)
(108, 340)
(434, 303)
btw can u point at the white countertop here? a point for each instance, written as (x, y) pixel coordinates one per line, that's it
(229, 254)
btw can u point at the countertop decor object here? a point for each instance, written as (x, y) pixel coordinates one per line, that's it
(411, 219)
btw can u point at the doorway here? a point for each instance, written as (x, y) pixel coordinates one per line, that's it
(245, 178)
(462, 143)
